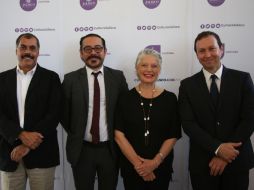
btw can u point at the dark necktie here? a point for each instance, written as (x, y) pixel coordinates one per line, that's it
(214, 90)
(96, 110)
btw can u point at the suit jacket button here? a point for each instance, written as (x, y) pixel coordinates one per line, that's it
(218, 123)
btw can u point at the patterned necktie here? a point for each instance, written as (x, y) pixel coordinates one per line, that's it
(96, 111)
(214, 93)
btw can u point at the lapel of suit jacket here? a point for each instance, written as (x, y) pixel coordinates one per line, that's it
(34, 82)
(204, 90)
(108, 80)
(224, 87)
(12, 89)
(84, 86)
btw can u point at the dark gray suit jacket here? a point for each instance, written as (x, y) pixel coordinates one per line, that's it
(75, 107)
(207, 128)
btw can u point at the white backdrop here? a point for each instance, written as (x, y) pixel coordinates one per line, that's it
(129, 26)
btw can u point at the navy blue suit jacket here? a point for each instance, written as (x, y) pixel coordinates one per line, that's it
(233, 121)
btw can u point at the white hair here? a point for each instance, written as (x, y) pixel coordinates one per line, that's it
(151, 52)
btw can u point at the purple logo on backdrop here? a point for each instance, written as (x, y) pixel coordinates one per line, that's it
(150, 27)
(28, 5)
(216, 3)
(151, 4)
(155, 47)
(82, 29)
(92, 28)
(218, 25)
(24, 30)
(207, 26)
(88, 4)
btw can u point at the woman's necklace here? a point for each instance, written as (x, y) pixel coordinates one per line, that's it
(147, 116)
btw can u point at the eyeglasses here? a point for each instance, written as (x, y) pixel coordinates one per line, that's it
(89, 49)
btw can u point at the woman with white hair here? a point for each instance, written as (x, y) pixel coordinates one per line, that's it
(146, 128)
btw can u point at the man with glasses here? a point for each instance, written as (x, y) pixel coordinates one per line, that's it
(30, 99)
(89, 99)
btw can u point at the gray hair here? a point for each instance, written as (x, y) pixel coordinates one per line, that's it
(147, 51)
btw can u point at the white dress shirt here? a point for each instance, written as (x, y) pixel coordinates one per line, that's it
(103, 129)
(217, 81)
(209, 80)
(23, 82)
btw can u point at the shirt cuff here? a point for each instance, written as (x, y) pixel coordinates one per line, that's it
(216, 151)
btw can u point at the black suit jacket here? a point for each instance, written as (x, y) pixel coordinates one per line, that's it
(75, 107)
(41, 115)
(207, 128)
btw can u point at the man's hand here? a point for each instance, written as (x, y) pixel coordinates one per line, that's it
(31, 139)
(217, 166)
(228, 151)
(19, 152)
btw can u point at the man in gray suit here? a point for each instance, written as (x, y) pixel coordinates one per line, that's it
(90, 96)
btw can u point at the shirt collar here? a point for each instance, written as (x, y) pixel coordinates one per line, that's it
(218, 73)
(31, 72)
(90, 71)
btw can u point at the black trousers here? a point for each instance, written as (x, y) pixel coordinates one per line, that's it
(226, 181)
(135, 182)
(95, 159)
